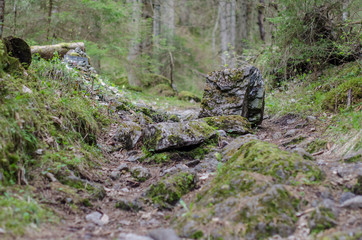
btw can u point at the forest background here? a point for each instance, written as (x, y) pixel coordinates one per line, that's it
(171, 44)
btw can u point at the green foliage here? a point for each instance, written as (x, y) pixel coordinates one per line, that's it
(18, 211)
(309, 36)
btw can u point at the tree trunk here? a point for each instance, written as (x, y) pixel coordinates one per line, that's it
(233, 24)
(241, 23)
(214, 38)
(168, 20)
(156, 23)
(2, 12)
(15, 9)
(134, 48)
(223, 32)
(345, 13)
(47, 52)
(261, 19)
(50, 10)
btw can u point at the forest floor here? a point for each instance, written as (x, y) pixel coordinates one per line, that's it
(288, 132)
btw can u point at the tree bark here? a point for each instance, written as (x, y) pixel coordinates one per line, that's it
(214, 37)
(50, 10)
(261, 19)
(134, 48)
(47, 51)
(156, 23)
(15, 9)
(168, 20)
(223, 32)
(2, 12)
(233, 24)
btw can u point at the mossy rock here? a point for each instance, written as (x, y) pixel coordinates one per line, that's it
(321, 219)
(316, 145)
(167, 136)
(243, 201)
(268, 159)
(230, 124)
(188, 96)
(94, 190)
(169, 190)
(163, 90)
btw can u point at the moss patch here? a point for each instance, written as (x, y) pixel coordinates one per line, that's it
(268, 159)
(169, 190)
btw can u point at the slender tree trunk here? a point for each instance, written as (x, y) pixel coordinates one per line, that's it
(50, 10)
(233, 24)
(15, 9)
(134, 48)
(214, 38)
(223, 32)
(261, 19)
(168, 20)
(2, 12)
(345, 13)
(156, 23)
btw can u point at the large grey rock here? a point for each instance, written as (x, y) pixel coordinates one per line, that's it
(131, 236)
(128, 134)
(234, 92)
(165, 136)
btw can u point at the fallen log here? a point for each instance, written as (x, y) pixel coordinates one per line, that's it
(47, 52)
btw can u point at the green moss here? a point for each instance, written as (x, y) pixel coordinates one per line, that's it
(230, 124)
(357, 188)
(170, 189)
(316, 145)
(268, 159)
(321, 219)
(128, 205)
(188, 96)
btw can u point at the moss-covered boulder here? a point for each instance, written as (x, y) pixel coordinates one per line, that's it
(170, 189)
(237, 91)
(166, 136)
(128, 134)
(188, 96)
(252, 195)
(230, 124)
(7, 63)
(268, 159)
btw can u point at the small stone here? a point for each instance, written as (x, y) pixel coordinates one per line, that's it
(140, 173)
(2, 231)
(303, 153)
(222, 133)
(163, 234)
(123, 167)
(290, 121)
(346, 196)
(27, 90)
(291, 133)
(277, 135)
(115, 175)
(129, 205)
(223, 143)
(97, 218)
(131, 236)
(355, 202)
(69, 200)
(39, 151)
(311, 119)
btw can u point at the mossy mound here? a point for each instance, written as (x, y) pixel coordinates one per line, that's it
(188, 96)
(245, 199)
(169, 190)
(268, 159)
(163, 90)
(8, 64)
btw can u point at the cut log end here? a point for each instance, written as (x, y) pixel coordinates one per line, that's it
(18, 48)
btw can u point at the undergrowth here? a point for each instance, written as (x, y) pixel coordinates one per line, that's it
(48, 123)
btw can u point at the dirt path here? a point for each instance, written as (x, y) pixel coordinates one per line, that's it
(289, 132)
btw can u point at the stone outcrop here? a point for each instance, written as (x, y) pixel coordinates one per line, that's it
(237, 91)
(166, 136)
